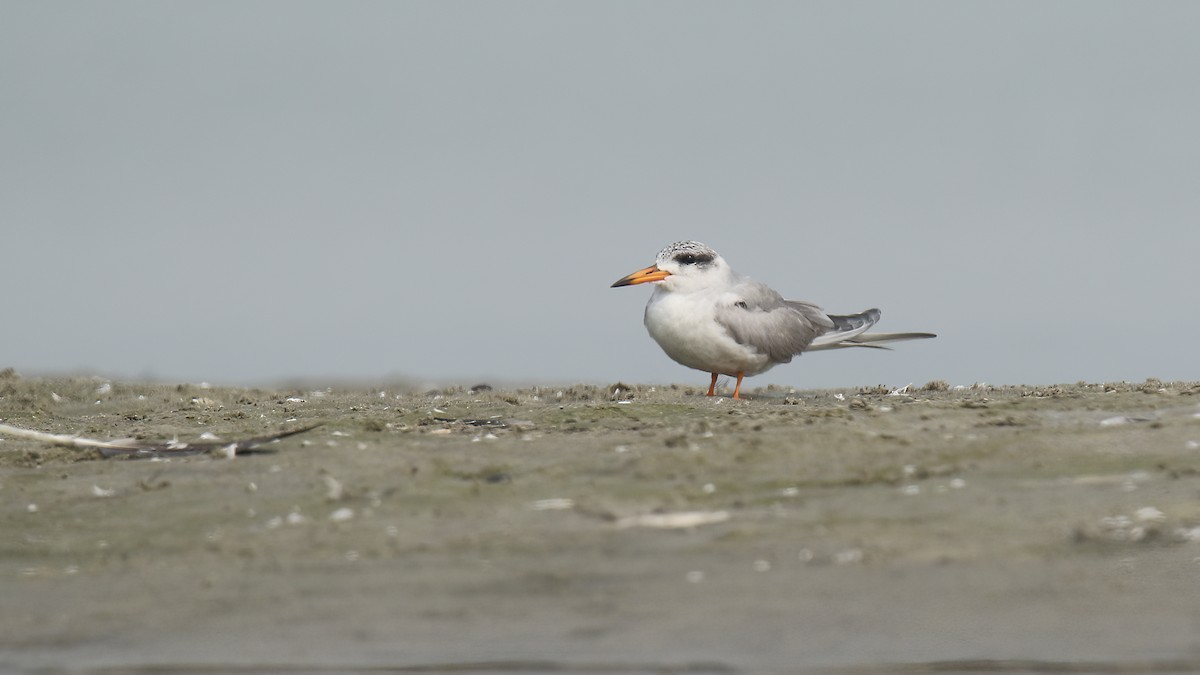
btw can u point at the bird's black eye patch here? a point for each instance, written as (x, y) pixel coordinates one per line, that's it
(693, 258)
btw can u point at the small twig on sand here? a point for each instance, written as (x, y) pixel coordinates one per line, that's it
(148, 449)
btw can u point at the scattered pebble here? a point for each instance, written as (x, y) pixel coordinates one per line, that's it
(32, 508)
(333, 489)
(694, 577)
(342, 515)
(1143, 525)
(1121, 528)
(98, 491)
(1122, 419)
(910, 490)
(552, 504)
(762, 566)
(672, 521)
(1131, 481)
(1191, 534)
(1150, 514)
(848, 556)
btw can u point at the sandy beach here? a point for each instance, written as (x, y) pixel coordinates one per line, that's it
(618, 529)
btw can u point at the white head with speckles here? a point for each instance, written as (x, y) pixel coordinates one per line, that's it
(683, 266)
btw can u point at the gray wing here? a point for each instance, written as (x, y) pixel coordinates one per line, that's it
(762, 319)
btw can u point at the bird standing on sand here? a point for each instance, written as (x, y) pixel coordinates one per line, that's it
(708, 317)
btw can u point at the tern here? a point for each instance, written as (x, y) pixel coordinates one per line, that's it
(708, 317)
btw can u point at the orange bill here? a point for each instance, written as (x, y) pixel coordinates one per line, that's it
(651, 273)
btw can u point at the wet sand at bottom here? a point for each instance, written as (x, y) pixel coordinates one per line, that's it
(620, 529)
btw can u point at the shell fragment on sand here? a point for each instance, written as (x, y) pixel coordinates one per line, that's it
(674, 521)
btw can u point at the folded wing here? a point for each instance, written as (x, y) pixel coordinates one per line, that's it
(780, 328)
(760, 318)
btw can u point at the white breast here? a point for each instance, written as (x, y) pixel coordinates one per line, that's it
(684, 325)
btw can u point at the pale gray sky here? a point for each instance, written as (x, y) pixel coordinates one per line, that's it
(244, 191)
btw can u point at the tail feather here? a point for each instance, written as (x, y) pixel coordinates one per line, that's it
(891, 337)
(850, 330)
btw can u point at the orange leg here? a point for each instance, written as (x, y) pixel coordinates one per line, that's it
(712, 386)
(739, 385)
